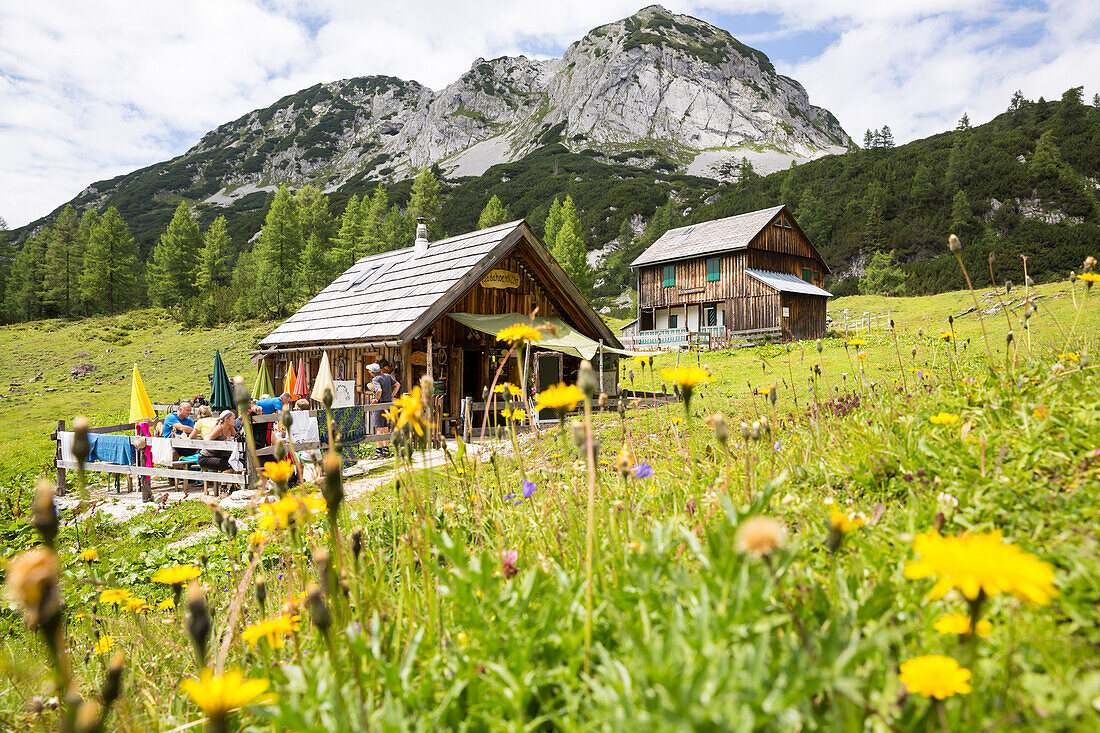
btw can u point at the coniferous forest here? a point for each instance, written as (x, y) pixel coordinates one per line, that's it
(1024, 184)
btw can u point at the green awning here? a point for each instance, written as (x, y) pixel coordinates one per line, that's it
(567, 340)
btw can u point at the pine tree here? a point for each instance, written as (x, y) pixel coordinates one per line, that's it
(171, 271)
(788, 189)
(869, 139)
(314, 272)
(887, 137)
(1017, 102)
(376, 237)
(277, 253)
(214, 258)
(7, 254)
(110, 264)
(400, 228)
(313, 214)
(88, 222)
(962, 220)
(924, 185)
(494, 214)
(964, 124)
(874, 237)
(63, 262)
(22, 297)
(569, 248)
(424, 201)
(346, 243)
(553, 224)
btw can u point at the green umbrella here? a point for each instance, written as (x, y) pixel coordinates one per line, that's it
(262, 385)
(221, 391)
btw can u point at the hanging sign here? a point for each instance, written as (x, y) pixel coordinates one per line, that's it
(500, 279)
(419, 358)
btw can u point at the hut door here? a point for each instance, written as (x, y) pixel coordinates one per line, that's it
(549, 370)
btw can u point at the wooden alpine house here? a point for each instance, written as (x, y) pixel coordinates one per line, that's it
(434, 308)
(751, 275)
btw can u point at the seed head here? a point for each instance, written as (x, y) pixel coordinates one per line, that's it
(718, 423)
(953, 243)
(198, 621)
(80, 439)
(587, 381)
(45, 513)
(261, 593)
(760, 536)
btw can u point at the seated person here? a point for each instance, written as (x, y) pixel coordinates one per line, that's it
(179, 424)
(225, 428)
(274, 404)
(302, 404)
(205, 421)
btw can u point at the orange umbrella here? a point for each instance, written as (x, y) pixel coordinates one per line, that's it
(288, 383)
(301, 386)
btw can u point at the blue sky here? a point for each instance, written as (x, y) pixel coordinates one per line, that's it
(89, 91)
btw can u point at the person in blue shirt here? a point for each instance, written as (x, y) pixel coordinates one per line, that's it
(179, 424)
(273, 404)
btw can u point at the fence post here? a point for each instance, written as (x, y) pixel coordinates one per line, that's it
(61, 488)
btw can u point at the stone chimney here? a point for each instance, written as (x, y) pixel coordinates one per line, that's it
(420, 246)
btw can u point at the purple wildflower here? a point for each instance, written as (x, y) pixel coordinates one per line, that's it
(643, 470)
(528, 488)
(509, 497)
(508, 560)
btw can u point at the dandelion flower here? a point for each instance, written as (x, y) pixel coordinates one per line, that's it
(935, 675)
(279, 471)
(136, 604)
(946, 335)
(257, 538)
(643, 360)
(217, 695)
(1069, 356)
(856, 342)
(959, 623)
(271, 630)
(176, 574)
(760, 536)
(846, 523)
(518, 334)
(410, 411)
(686, 376)
(561, 397)
(90, 555)
(114, 596)
(509, 388)
(103, 645)
(944, 418)
(979, 564)
(1089, 277)
(32, 576)
(166, 605)
(516, 415)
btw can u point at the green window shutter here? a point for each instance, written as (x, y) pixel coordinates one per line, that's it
(670, 276)
(713, 273)
(807, 275)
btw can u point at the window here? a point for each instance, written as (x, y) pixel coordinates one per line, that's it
(807, 275)
(673, 320)
(670, 276)
(786, 312)
(712, 269)
(710, 314)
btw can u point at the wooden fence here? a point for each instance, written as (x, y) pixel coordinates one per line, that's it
(853, 324)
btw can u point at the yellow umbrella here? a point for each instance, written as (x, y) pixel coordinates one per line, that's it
(290, 381)
(140, 407)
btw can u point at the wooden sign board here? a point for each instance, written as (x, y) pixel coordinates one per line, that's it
(419, 358)
(500, 279)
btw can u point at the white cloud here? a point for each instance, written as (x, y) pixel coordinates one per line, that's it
(92, 90)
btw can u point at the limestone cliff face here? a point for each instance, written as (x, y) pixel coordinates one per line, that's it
(652, 86)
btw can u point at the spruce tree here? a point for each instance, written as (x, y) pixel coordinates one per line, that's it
(277, 254)
(887, 137)
(874, 237)
(110, 265)
(924, 185)
(214, 258)
(172, 269)
(868, 139)
(962, 220)
(569, 248)
(425, 201)
(494, 214)
(63, 262)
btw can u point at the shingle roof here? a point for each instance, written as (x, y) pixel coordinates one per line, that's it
(786, 283)
(709, 237)
(382, 295)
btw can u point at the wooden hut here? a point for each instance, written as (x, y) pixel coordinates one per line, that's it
(399, 305)
(748, 275)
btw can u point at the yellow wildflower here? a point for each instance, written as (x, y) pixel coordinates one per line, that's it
(643, 360)
(257, 538)
(271, 630)
(32, 580)
(980, 563)
(136, 604)
(1042, 412)
(516, 415)
(856, 342)
(410, 411)
(861, 355)
(103, 645)
(114, 596)
(686, 376)
(279, 471)
(959, 623)
(1089, 277)
(560, 397)
(759, 536)
(166, 605)
(519, 333)
(765, 391)
(946, 335)
(217, 695)
(845, 523)
(935, 676)
(176, 574)
(1069, 356)
(944, 418)
(509, 388)
(90, 555)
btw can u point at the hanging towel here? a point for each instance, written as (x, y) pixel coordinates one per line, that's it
(142, 429)
(303, 428)
(111, 449)
(161, 449)
(66, 439)
(235, 461)
(350, 425)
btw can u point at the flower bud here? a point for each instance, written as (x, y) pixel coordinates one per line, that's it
(261, 593)
(1028, 281)
(240, 393)
(953, 243)
(587, 381)
(754, 431)
(322, 564)
(88, 717)
(318, 611)
(773, 395)
(1084, 360)
(356, 543)
(45, 513)
(198, 621)
(327, 398)
(80, 440)
(112, 683)
(602, 401)
(280, 450)
(333, 486)
(1008, 287)
(820, 346)
(745, 431)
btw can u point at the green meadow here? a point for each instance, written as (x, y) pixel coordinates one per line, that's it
(898, 534)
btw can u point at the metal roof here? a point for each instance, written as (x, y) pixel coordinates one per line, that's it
(382, 295)
(786, 283)
(709, 237)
